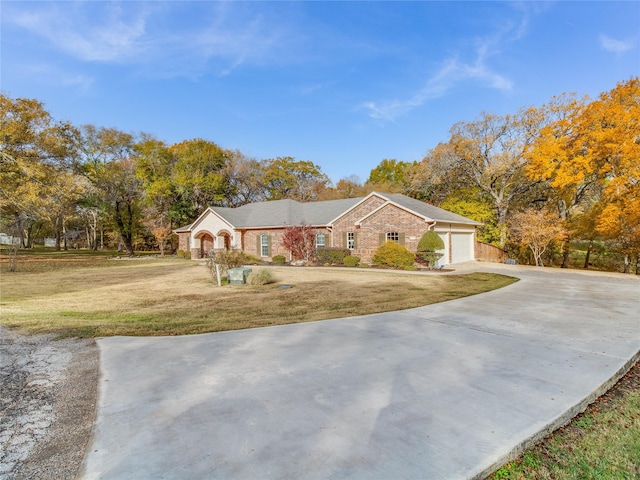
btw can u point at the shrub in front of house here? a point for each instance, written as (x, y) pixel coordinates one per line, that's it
(427, 246)
(261, 277)
(228, 258)
(251, 260)
(279, 260)
(183, 254)
(332, 255)
(392, 254)
(350, 261)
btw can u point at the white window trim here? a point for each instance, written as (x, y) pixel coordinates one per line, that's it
(351, 240)
(392, 237)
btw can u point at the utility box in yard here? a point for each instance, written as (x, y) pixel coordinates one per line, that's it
(238, 276)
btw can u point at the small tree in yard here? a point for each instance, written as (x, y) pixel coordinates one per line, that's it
(536, 229)
(226, 259)
(301, 241)
(427, 246)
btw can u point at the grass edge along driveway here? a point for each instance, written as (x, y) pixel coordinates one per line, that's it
(176, 297)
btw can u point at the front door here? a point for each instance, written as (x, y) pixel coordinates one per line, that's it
(206, 245)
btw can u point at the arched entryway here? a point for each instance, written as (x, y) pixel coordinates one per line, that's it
(206, 245)
(224, 240)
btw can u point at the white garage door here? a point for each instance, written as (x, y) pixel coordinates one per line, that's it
(461, 247)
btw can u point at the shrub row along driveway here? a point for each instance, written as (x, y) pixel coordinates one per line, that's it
(442, 391)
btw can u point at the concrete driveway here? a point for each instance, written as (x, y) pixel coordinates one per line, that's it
(446, 391)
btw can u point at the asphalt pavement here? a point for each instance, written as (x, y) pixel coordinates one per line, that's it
(446, 391)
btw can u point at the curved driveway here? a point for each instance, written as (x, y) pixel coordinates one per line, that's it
(446, 391)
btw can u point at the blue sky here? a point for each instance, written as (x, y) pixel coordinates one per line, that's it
(342, 84)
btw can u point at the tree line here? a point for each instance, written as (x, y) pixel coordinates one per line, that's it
(542, 179)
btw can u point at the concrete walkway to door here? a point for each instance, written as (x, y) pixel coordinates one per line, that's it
(446, 391)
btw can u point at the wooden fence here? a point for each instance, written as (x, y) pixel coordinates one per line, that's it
(490, 253)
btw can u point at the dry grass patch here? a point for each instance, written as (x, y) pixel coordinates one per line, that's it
(175, 297)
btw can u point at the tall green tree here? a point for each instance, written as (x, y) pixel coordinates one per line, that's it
(286, 177)
(107, 161)
(472, 203)
(155, 169)
(392, 175)
(244, 178)
(199, 176)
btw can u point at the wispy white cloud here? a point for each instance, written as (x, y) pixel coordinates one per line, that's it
(616, 46)
(133, 33)
(455, 70)
(110, 35)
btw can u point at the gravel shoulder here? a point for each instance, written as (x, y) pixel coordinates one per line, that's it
(48, 397)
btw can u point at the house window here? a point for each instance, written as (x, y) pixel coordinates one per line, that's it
(320, 240)
(393, 237)
(264, 245)
(351, 240)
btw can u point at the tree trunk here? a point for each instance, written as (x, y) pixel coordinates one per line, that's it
(29, 236)
(502, 224)
(64, 233)
(566, 251)
(94, 231)
(125, 230)
(588, 255)
(58, 234)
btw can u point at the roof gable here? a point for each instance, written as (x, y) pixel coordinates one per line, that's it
(203, 215)
(360, 201)
(386, 205)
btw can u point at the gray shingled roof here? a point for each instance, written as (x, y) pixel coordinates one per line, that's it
(279, 213)
(435, 213)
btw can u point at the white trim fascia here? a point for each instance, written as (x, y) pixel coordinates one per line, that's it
(389, 202)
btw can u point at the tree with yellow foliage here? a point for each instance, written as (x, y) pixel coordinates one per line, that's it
(598, 144)
(36, 185)
(536, 229)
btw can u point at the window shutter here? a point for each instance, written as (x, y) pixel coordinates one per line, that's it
(345, 243)
(383, 238)
(259, 245)
(401, 238)
(268, 245)
(355, 240)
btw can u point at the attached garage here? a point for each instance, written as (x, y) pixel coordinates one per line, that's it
(462, 247)
(459, 246)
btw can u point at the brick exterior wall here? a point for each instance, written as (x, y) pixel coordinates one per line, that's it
(370, 234)
(347, 223)
(251, 242)
(183, 241)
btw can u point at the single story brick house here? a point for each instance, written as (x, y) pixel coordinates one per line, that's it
(359, 224)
